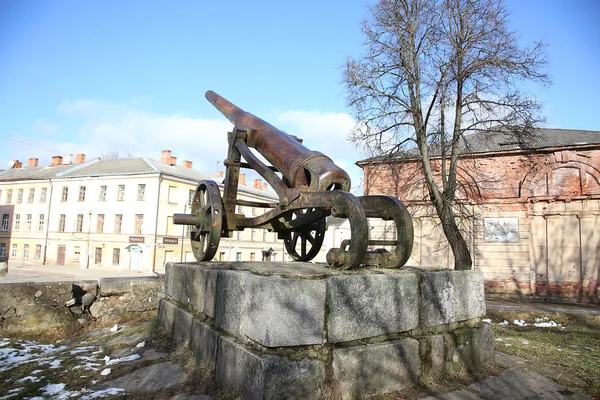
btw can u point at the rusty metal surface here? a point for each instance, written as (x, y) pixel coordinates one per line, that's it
(206, 220)
(310, 189)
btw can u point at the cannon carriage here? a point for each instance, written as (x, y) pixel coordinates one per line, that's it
(309, 186)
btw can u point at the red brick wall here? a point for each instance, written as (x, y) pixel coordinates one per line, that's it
(500, 176)
(559, 182)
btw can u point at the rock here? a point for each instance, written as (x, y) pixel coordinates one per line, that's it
(148, 379)
(153, 354)
(191, 397)
(38, 294)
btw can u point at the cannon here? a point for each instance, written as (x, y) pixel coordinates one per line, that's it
(310, 188)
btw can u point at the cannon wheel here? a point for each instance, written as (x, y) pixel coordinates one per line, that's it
(393, 210)
(304, 242)
(207, 206)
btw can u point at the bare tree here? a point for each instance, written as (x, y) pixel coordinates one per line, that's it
(114, 155)
(433, 71)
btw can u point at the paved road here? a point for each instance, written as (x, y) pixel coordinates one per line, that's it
(22, 273)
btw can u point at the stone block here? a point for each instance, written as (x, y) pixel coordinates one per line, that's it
(210, 291)
(285, 312)
(433, 355)
(166, 314)
(451, 296)
(203, 342)
(115, 286)
(483, 342)
(260, 376)
(363, 306)
(176, 281)
(469, 346)
(194, 287)
(231, 301)
(377, 368)
(182, 327)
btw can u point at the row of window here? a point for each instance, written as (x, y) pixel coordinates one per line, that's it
(116, 256)
(238, 256)
(14, 251)
(139, 222)
(30, 196)
(28, 220)
(141, 194)
(100, 218)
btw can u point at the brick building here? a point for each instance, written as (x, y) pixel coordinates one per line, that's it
(531, 210)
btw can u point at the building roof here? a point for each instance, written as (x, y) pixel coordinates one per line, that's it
(33, 173)
(503, 141)
(119, 167)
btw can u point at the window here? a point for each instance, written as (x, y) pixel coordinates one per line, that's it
(2, 249)
(116, 256)
(169, 225)
(5, 222)
(238, 256)
(139, 222)
(43, 195)
(253, 235)
(141, 192)
(118, 222)
(28, 222)
(79, 225)
(252, 256)
(31, 195)
(8, 196)
(25, 251)
(191, 196)
(13, 250)
(171, 198)
(41, 220)
(100, 223)
(20, 196)
(65, 193)
(76, 253)
(61, 222)
(98, 255)
(121, 193)
(81, 193)
(265, 237)
(17, 222)
(102, 196)
(222, 256)
(38, 251)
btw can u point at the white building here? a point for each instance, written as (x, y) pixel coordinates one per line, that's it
(115, 214)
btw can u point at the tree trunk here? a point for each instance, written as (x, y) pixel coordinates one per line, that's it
(462, 256)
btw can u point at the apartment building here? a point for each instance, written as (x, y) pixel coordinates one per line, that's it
(114, 214)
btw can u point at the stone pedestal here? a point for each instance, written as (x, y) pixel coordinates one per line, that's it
(300, 330)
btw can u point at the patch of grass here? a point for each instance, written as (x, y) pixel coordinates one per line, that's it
(571, 356)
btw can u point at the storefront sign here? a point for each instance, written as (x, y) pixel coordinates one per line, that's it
(136, 239)
(170, 240)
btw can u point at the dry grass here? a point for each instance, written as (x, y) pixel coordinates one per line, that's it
(571, 356)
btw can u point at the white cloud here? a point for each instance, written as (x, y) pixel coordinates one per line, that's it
(103, 127)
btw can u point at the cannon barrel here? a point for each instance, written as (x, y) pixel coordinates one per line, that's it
(302, 167)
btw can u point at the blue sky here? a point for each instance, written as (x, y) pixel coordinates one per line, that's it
(96, 77)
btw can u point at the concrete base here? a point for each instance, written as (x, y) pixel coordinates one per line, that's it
(299, 330)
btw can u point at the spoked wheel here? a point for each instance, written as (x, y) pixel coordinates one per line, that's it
(305, 241)
(207, 207)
